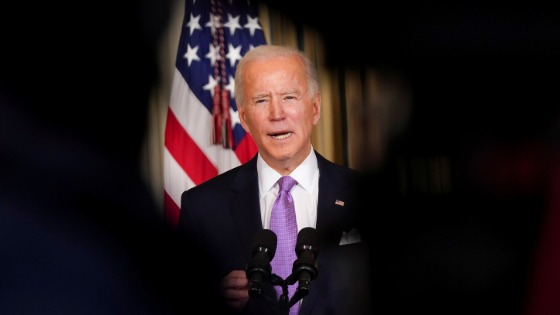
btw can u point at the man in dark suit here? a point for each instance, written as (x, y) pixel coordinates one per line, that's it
(279, 103)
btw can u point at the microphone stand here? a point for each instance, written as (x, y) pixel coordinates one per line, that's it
(303, 272)
(283, 302)
(255, 290)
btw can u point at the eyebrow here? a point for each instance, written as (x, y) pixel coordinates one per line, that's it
(260, 95)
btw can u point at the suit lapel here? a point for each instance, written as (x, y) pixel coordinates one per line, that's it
(246, 213)
(245, 207)
(331, 217)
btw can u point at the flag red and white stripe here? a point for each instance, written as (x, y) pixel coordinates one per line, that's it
(202, 138)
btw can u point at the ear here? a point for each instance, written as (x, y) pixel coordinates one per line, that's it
(316, 108)
(241, 112)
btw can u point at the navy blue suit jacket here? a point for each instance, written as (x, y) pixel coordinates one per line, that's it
(222, 216)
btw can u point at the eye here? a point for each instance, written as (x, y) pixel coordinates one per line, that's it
(261, 101)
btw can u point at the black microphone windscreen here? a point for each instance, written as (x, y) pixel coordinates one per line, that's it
(307, 239)
(265, 240)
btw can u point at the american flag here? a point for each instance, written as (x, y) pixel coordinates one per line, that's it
(203, 136)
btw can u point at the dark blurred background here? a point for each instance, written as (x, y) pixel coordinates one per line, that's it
(80, 232)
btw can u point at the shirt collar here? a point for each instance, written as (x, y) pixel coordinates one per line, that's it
(303, 174)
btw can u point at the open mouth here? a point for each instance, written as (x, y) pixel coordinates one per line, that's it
(281, 135)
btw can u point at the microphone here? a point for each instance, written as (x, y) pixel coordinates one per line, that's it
(305, 267)
(259, 269)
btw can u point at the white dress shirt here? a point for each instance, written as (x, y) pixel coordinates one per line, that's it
(305, 193)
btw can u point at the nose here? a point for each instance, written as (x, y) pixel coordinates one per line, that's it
(276, 109)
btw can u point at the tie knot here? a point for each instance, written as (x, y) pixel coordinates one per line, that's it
(286, 183)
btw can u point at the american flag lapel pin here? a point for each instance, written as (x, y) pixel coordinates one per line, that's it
(339, 203)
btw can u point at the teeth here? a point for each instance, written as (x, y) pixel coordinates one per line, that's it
(282, 136)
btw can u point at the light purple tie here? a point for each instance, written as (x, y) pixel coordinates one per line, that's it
(283, 223)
